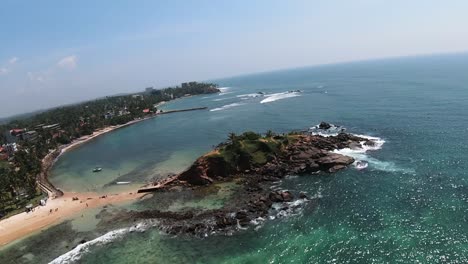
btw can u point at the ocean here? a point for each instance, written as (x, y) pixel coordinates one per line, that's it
(409, 205)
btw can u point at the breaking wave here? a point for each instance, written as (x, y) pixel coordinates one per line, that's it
(224, 89)
(279, 96)
(248, 96)
(76, 253)
(222, 99)
(226, 107)
(360, 154)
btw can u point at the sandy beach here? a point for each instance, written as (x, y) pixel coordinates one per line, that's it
(63, 208)
(98, 133)
(24, 224)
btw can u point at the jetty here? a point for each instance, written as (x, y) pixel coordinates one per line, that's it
(182, 110)
(158, 185)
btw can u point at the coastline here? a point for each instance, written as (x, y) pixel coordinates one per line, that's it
(25, 224)
(50, 159)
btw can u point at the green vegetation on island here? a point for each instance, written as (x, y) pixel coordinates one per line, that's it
(251, 149)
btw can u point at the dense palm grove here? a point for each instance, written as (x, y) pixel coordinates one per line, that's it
(19, 169)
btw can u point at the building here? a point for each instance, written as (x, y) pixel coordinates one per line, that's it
(39, 127)
(108, 115)
(30, 136)
(10, 149)
(146, 111)
(17, 131)
(51, 127)
(149, 90)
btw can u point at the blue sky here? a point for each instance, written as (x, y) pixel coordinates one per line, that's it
(59, 52)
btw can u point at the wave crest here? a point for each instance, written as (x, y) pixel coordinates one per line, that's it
(279, 96)
(76, 253)
(224, 107)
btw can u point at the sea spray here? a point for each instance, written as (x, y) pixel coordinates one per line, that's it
(279, 96)
(226, 107)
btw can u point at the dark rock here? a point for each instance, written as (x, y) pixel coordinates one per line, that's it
(275, 197)
(324, 125)
(334, 162)
(287, 196)
(304, 154)
(336, 168)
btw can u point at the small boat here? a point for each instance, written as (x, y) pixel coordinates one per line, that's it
(97, 169)
(123, 182)
(360, 165)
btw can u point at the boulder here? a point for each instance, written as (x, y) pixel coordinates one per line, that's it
(275, 197)
(333, 162)
(287, 196)
(324, 125)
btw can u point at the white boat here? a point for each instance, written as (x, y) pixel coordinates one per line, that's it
(123, 182)
(97, 169)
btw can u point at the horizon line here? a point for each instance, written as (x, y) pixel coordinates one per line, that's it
(337, 63)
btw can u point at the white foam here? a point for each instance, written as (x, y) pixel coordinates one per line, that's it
(76, 253)
(222, 99)
(287, 209)
(224, 89)
(332, 131)
(360, 154)
(251, 95)
(324, 134)
(226, 107)
(279, 96)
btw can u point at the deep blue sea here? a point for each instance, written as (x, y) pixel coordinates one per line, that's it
(409, 206)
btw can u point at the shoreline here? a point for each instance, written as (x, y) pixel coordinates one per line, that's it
(56, 211)
(25, 224)
(50, 159)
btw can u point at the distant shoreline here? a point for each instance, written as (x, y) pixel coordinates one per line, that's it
(50, 159)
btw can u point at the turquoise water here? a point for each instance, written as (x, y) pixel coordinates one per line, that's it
(409, 206)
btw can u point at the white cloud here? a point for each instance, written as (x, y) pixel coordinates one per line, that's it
(36, 77)
(68, 63)
(3, 71)
(13, 60)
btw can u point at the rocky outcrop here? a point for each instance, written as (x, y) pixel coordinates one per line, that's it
(205, 170)
(254, 199)
(307, 154)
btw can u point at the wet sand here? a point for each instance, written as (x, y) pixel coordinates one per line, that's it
(63, 208)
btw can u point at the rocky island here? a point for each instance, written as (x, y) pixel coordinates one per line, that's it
(254, 162)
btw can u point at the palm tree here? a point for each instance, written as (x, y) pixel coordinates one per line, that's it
(232, 137)
(269, 134)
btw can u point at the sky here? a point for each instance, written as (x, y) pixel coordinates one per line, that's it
(59, 52)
